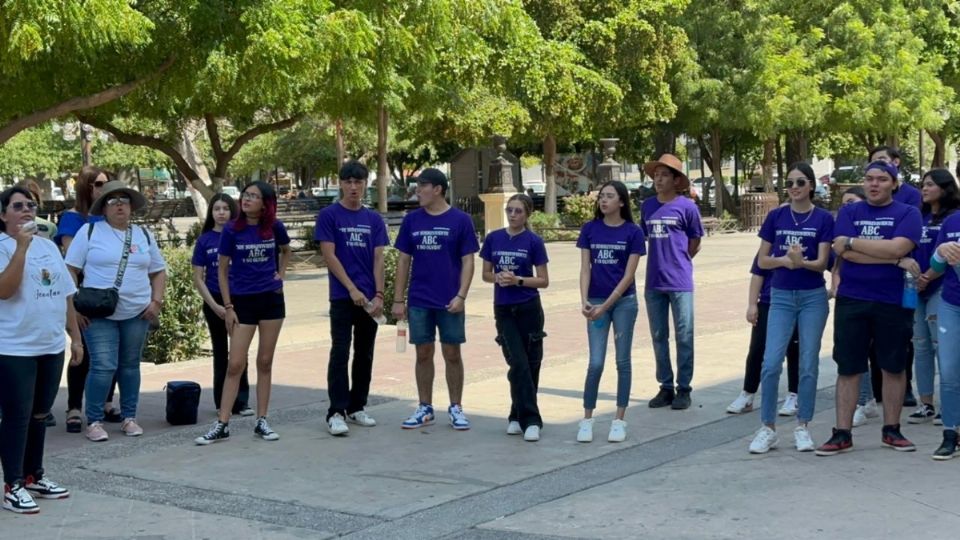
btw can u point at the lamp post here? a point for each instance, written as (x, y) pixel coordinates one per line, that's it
(501, 170)
(609, 169)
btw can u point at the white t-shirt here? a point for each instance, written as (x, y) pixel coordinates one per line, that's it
(33, 321)
(100, 258)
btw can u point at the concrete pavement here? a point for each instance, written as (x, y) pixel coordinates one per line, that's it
(682, 474)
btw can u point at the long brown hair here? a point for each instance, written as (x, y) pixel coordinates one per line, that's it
(84, 188)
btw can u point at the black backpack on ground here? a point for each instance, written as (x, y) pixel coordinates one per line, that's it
(183, 400)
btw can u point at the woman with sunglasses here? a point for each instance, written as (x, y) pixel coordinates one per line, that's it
(611, 245)
(107, 252)
(795, 244)
(36, 304)
(515, 261)
(89, 183)
(253, 255)
(206, 262)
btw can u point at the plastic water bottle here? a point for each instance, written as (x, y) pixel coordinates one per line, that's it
(369, 307)
(401, 336)
(910, 295)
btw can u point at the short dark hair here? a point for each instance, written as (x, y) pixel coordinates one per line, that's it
(354, 169)
(5, 200)
(894, 153)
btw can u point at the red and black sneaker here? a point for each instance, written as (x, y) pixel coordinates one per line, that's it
(892, 438)
(841, 441)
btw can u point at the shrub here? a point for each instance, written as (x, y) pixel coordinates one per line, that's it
(579, 209)
(549, 227)
(390, 256)
(194, 232)
(182, 328)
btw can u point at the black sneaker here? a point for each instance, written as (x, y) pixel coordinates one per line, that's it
(44, 488)
(938, 420)
(892, 438)
(841, 441)
(219, 432)
(924, 413)
(948, 448)
(682, 401)
(49, 420)
(909, 400)
(17, 499)
(663, 398)
(263, 430)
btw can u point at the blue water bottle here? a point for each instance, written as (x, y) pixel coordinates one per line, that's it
(910, 295)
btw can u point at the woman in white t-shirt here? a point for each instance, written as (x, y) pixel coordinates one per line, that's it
(116, 341)
(36, 304)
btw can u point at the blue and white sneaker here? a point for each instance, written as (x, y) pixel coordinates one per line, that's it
(458, 420)
(423, 416)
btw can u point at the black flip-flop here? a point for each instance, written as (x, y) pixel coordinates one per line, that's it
(112, 416)
(74, 424)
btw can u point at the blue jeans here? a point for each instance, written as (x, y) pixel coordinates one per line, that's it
(658, 304)
(925, 343)
(623, 315)
(115, 348)
(948, 323)
(807, 309)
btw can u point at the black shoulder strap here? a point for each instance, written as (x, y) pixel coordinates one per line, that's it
(145, 233)
(90, 231)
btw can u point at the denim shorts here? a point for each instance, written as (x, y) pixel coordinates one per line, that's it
(253, 308)
(424, 322)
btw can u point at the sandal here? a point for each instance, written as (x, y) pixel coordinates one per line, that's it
(74, 421)
(112, 416)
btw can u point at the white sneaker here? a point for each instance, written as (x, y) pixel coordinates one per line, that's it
(337, 426)
(585, 434)
(871, 409)
(743, 403)
(618, 431)
(802, 439)
(361, 418)
(513, 428)
(764, 441)
(532, 434)
(789, 407)
(859, 416)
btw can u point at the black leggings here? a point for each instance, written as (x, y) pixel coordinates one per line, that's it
(77, 381)
(758, 342)
(221, 351)
(28, 386)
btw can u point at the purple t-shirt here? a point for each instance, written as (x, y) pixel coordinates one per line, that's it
(610, 249)
(669, 228)
(908, 195)
(437, 245)
(783, 228)
(950, 232)
(765, 274)
(518, 254)
(875, 282)
(356, 234)
(253, 260)
(925, 249)
(206, 255)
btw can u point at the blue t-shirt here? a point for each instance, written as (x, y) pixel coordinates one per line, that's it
(925, 249)
(950, 232)
(206, 255)
(765, 274)
(518, 254)
(875, 282)
(437, 245)
(908, 195)
(70, 222)
(784, 228)
(669, 228)
(610, 249)
(253, 260)
(355, 235)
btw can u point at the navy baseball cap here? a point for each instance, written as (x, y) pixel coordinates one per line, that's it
(433, 176)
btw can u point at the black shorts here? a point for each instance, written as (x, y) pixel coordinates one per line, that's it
(253, 308)
(857, 323)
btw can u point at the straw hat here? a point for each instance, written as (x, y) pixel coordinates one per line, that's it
(673, 163)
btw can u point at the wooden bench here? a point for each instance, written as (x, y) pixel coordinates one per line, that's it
(158, 215)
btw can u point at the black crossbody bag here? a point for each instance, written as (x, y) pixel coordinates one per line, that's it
(100, 303)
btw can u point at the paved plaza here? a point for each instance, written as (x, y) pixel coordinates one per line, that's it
(679, 475)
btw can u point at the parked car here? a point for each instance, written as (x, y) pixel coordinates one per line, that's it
(846, 175)
(56, 194)
(232, 191)
(540, 190)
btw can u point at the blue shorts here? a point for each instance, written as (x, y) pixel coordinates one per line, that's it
(424, 322)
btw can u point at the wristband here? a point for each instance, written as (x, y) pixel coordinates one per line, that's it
(228, 306)
(395, 302)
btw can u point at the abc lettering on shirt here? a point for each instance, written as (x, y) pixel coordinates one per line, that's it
(510, 260)
(872, 229)
(257, 252)
(659, 228)
(356, 235)
(608, 253)
(430, 239)
(787, 238)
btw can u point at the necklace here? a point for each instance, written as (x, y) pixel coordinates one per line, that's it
(799, 223)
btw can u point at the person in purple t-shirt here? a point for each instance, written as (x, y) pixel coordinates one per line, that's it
(439, 242)
(253, 255)
(671, 223)
(351, 239)
(795, 244)
(610, 249)
(206, 262)
(515, 261)
(872, 237)
(946, 261)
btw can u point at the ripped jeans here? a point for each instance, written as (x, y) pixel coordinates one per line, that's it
(623, 316)
(925, 343)
(520, 335)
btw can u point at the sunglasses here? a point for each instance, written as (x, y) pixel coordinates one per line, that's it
(513, 211)
(118, 200)
(20, 206)
(799, 182)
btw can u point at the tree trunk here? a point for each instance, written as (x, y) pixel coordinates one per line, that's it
(893, 141)
(383, 173)
(779, 150)
(665, 141)
(797, 147)
(549, 173)
(939, 149)
(767, 164)
(201, 191)
(716, 167)
(341, 150)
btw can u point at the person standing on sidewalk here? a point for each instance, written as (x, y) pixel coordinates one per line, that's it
(206, 262)
(439, 242)
(795, 244)
(253, 255)
(872, 237)
(351, 240)
(610, 249)
(36, 304)
(671, 223)
(510, 257)
(946, 261)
